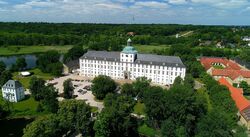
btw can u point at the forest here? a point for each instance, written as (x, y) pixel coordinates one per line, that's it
(144, 34)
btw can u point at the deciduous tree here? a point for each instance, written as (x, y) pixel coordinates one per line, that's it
(102, 85)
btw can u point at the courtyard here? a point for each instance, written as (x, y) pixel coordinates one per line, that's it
(81, 91)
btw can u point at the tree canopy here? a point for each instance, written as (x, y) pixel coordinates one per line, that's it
(102, 85)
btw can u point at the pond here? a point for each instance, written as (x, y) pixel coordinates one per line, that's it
(10, 60)
(13, 127)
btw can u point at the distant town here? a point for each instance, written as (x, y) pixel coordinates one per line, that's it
(124, 80)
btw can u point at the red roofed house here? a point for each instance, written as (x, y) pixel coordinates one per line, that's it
(222, 67)
(241, 102)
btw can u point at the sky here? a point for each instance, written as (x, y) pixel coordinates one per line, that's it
(205, 12)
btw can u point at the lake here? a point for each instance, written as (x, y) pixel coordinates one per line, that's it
(10, 60)
(13, 127)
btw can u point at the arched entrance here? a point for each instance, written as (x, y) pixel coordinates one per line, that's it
(126, 75)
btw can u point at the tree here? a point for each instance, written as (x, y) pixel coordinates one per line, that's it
(49, 63)
(128, 90)
(244, 85)
(56, 68)
(140, 85)
(21, 63)
(74, 53)
(44, 127)
(189, 80)
(208, 125)
(75, 115)
(4, 77)
(182, 102)
(178, 81)
(2, 67)
(115, 119)
(49, 101)
(72, 116)
(36, 86)
(68, 89)
(102, 85)
(154, 100)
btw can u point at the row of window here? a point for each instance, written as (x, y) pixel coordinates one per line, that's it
(117, 70)
(96, 63)
(161, 80)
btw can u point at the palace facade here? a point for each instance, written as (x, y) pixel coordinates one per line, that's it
(129, 64)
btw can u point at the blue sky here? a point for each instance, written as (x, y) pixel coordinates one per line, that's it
(219, 12)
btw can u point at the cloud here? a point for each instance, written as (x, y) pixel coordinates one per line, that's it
(177, 1)
(3, 2)
(223, 4)
(151, 4)
(122, 11)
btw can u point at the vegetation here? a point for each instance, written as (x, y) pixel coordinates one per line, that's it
(102, 85)
(73, 116)
(20, 50)
(20, 65)
(115, 119)
(139, 108)
(49, 63)
(25, 81)
(74, 53)
(245, 87)
(4, 77)
(179, 111)
(68, 89)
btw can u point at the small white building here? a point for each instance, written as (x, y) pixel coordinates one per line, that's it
(129, 64)
(13, 91)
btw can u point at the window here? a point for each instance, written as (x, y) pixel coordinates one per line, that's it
(126, 55)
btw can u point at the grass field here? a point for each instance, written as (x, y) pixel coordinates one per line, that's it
(150, 48)
(147, 131)
(139, 109)
(218, 67)
(36, 72)
(20, 50)
(24, 108)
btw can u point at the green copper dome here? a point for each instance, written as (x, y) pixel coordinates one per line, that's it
(129, 50)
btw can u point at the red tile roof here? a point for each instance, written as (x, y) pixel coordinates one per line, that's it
(231, 70)
(207, 62)
(233, 74)
(236, 94)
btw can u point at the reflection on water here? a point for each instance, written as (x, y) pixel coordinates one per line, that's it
(30, 60)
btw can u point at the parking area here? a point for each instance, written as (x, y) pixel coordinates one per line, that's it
(82, 89)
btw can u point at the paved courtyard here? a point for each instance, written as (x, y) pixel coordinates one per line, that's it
(79, 84)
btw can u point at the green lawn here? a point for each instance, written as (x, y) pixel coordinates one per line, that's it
(139, 109)
(24, 108)
(94, 109)
(25, 80)
(150, 48)
(147, 131)
(218, 67)
(20, 50)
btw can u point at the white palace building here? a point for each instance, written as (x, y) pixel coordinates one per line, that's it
(129, 64)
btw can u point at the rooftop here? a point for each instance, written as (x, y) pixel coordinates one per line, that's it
(172, 61)
(129, 50)
(207, 62)
(13, 84)
(237, 95)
